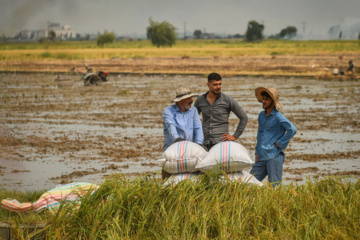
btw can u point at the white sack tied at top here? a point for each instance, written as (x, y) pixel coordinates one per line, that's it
(226, 156)
(182, 157)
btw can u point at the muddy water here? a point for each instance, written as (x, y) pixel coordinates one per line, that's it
(53, 134)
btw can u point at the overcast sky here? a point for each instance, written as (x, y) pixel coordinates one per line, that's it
(227, 17)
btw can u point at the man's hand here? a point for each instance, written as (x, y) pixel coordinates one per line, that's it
(228, 137)
(179, 140)
(256, 158)
(276, 145)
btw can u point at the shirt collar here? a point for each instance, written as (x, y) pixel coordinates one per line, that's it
(176, 108)
(216, 98)
(272, 112)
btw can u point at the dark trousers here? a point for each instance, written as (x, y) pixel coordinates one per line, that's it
(209, 146)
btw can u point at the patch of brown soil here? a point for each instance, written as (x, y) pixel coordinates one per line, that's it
(312, 65)
(66, 178)
(325, 157)
(347, 173)
(299, 171)
(340, 174)
(90, 132)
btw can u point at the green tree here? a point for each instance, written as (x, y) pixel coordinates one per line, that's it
(106, 37)
(42, 40)
(288, 32)
(254, 31)
(52, 35)
(197, 34)
(161, 34)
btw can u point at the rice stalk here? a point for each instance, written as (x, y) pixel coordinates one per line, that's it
(142, 208)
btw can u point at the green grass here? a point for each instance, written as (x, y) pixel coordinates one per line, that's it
(83, 50)
(142, 208)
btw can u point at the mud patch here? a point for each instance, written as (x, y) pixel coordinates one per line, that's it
(51, 135)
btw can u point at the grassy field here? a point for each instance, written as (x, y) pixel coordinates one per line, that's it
(226, 56)
(190, 48)
(142, 208)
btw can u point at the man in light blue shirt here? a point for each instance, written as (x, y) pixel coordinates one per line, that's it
(181, 120)
(274, 134)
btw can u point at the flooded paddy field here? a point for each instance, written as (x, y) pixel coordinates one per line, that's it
(53, 134)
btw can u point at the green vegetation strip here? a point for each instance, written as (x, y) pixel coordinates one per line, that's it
(142, 208)
(83, 50)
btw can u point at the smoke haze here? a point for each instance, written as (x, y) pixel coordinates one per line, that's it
(313, 19)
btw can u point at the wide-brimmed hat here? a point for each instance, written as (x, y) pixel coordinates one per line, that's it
(274, 94)
(183, 93)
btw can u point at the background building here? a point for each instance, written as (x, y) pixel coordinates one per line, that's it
(61, 33)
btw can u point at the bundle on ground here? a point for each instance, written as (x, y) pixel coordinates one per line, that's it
(52, 199)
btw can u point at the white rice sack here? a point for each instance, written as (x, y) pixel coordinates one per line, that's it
(243, 176)
(176, 178)
(182, 157)
(225, 156)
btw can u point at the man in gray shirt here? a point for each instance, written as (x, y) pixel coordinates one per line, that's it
(215, 107)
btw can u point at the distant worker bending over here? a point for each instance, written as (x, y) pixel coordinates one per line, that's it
(351, 67)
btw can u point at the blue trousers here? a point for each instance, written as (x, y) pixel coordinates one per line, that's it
(273, 168)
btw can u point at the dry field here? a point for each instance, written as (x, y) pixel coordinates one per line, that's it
(51, 134)
(258, 65)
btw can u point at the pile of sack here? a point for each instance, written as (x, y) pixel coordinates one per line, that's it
(187, 160)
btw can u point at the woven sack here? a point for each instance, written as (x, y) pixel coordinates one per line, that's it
(182, 157)
(242, 176)
(176, 178)
(227, 156)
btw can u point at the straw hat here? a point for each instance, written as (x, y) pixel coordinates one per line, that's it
(274, 94)
(183, 93)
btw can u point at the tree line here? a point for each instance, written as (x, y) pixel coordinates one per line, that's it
(163, 33)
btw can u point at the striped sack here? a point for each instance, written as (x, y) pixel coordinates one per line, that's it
(176, 178)
(51, 200)
(242, 176)
(182, 157)
(227, 156)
